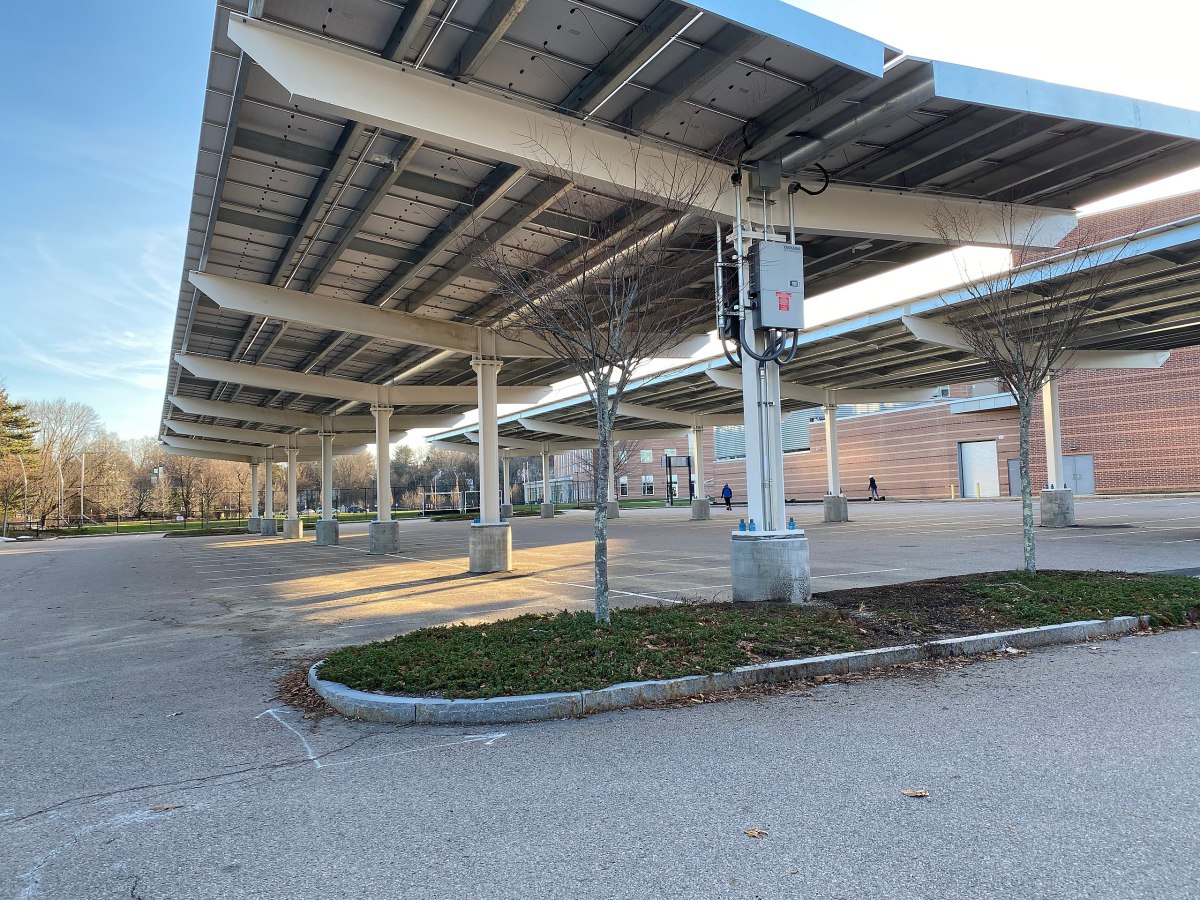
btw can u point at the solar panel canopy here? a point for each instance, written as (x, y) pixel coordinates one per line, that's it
(359, 151)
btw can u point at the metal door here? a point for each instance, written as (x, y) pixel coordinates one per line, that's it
(979, 469)
(1079, 470)
(1014, 478)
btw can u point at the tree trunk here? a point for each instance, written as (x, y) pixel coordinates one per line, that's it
(604, 430)
(1025, 406)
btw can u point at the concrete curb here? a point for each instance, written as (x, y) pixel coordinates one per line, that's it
(536, 707)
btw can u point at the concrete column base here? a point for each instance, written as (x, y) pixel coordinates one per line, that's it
(327, 532)
(701, 510)
(614, 509)
(770, 565)
(293, 529)
(269, 526)
(836, 508)
(547, 510)
(1058, 508)
(385, 537)
(506, 510)
(490, 547)
(254, 525)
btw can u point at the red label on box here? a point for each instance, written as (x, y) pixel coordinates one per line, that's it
(785, 300)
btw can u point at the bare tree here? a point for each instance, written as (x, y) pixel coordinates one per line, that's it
(617, 295)
(354, 475)
(1024, 321)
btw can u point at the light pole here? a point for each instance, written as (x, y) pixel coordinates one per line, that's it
(24, 492)
(61, 492)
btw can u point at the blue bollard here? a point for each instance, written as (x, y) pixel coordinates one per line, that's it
(753, 527)
(791, 524)
(741, 524)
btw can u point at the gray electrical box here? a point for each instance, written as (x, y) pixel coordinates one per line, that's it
(777, 284)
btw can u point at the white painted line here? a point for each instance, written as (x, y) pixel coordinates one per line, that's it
(273, 713)
(848, 574)
(486, 739)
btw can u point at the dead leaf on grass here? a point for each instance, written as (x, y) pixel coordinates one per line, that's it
(166, 807)
(756, 833)
(915, 792)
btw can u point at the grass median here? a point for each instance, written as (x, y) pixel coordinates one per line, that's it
(570, 652)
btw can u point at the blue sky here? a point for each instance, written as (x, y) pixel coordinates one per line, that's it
(101, 112)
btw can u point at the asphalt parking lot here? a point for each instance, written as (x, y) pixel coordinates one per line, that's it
(145, 756)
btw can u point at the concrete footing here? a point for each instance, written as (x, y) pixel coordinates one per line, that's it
(385, 537)
(327, 532)
(836, 508)
(547, 510)
(506, 510)
(701, 510)
(293, 529)
(490, 547)
(770, 565)
(269, 526)
(254, 525)
(614, 509)
(1058, 508)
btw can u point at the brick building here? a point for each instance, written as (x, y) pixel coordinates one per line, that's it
(1123, 431)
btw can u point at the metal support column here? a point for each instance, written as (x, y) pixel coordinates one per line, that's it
(701, 507)
(327, 526)
(547, 506)
(506, 500)
(486, 372)
(1052, 416)
(269, 525)
(1057, 501)
(490, 543)
(836, 508)
(292, 526)
(613, 510)
(385, 534)
(254, 520)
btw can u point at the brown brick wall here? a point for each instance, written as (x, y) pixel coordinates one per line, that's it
(1142, 427)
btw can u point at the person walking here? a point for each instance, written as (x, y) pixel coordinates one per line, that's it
(727, 496)
(872, 489)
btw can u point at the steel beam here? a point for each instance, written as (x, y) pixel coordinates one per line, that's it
(343, 388)
(246, 412)
(363, 86)
(938, 331)
(268, 438)
(539, 426)
(361, 318)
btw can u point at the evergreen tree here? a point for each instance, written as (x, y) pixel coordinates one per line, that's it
(16, 427)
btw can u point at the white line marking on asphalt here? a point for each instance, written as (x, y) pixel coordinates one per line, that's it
(307, 747)
(486, 739)
(1185, 541)
(848, 574)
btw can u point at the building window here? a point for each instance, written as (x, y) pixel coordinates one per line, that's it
(623, 486)
(647, 485)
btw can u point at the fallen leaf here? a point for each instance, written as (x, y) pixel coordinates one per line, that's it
(166, 807)
(1014, 651)
(174, 714)
(915, 792)
(756, 833)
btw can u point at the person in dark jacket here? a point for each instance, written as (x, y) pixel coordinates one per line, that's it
(872, 489)
(727, 496)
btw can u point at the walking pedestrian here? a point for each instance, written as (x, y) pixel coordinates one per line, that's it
(872, 489)
(727, 496)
